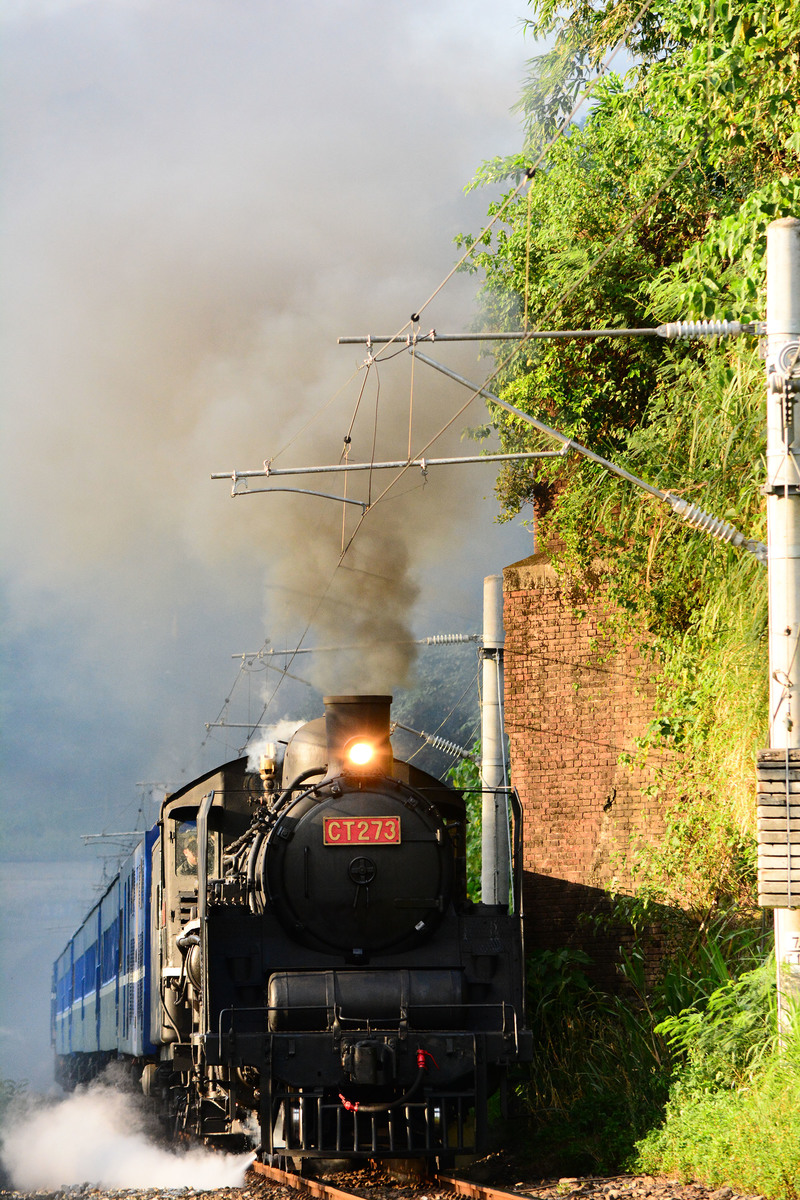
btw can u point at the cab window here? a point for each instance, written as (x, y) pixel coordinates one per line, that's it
(186, 850)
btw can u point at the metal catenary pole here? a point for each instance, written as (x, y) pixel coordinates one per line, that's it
(783, 519)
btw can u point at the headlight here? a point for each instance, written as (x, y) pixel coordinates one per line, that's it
(360, 753)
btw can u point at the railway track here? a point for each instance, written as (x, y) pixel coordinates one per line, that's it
(426, 1185)
(381, 1186)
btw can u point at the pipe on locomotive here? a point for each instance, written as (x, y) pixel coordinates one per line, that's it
(356, 1106)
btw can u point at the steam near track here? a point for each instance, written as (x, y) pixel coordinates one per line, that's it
(100, 1135)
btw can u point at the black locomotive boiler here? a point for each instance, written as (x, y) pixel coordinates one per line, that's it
(307, 966)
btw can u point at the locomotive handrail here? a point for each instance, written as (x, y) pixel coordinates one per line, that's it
(515, 1032)
(380, 1027)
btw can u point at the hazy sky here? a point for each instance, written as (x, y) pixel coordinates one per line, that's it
(199, 196)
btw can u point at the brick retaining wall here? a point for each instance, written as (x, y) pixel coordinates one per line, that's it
(570, 712)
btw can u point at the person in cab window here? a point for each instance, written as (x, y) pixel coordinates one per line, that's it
(187, 856)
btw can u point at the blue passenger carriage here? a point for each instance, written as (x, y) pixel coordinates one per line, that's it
(101, 990)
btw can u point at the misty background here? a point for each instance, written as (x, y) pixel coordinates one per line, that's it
(199, 197)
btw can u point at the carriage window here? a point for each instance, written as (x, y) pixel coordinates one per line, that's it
(186, 850)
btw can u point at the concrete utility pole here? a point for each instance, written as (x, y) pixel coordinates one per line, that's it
(495, 864)
(779, 773)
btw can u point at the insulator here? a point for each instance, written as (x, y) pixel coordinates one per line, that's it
(440, 743)
(701, 329)
(448, 639)
(698, 519)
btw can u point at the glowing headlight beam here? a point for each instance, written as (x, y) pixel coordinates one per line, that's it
(360, 753)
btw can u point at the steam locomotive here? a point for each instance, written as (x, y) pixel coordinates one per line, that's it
(291, 953)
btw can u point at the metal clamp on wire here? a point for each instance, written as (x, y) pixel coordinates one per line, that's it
(784, 375)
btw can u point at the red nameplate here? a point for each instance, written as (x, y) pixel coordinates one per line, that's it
(362, 831)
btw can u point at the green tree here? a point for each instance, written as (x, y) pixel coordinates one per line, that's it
(654, 210)
(466, 776)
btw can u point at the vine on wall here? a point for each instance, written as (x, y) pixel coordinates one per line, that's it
(655, 209)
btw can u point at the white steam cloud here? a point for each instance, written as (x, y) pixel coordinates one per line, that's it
(281, 731)
(199, 202)
(98, 1136)
(198, 198)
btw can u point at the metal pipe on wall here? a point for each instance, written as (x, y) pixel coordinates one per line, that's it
(495, 863)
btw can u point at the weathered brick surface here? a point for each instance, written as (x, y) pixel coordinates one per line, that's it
(571, 710)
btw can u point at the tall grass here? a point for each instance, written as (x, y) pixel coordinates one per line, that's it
(646, 1082)
(733, 1114)
(605, 1063)
(599, 1077)
(747, 1137)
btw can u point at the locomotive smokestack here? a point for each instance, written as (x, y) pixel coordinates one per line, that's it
(354, 724)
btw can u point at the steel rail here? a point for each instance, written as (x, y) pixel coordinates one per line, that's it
(301, 1183)
(325, 1191)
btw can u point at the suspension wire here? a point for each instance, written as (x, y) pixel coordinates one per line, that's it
(527, 258)
(500, 366)
(609, 247)
(497, 369)
(349, 434)
(345, 455)
(584, 96)
(318, 413)
(529, 172)
(711, 16)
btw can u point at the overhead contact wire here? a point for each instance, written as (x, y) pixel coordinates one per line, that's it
(498, 368)
(528, 177)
